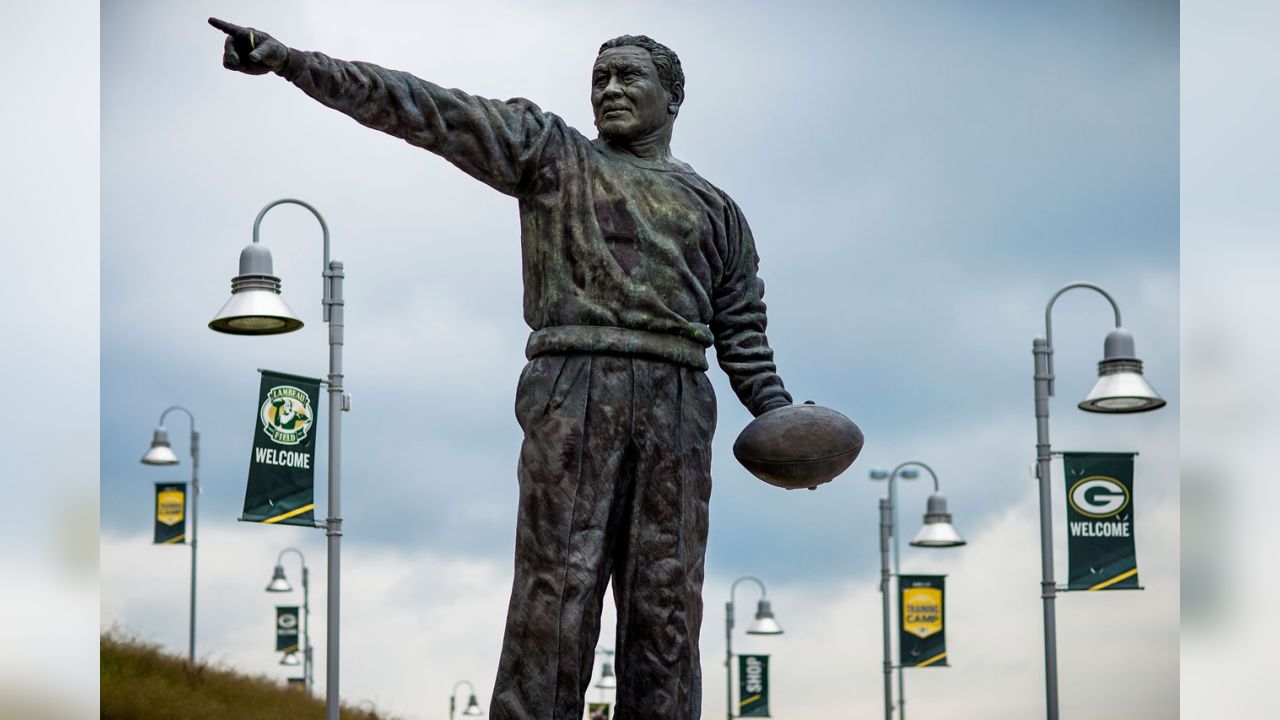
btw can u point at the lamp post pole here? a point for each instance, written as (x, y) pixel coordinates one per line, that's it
(888, 529)
(195, 510)
(473, 707)
(306, 609)
(763, 625)
(1130, 394)
(260, 313)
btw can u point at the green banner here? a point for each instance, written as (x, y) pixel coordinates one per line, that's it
(282, 465)
(922, 630)
(753, 686)
(597, 711)
(286, 628)
(1100, 521)
(171, 514)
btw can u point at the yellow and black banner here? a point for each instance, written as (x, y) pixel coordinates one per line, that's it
(1100, 551)
(282, 465)
(597, 711)
(286, 628)
(753, 686)
(922, 632)
(171, 514)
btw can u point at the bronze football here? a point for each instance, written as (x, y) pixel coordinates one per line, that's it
(798, 446)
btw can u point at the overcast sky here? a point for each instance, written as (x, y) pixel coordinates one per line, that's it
(920, 177)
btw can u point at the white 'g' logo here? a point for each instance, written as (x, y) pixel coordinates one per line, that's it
(1098, 496)
(287, 621)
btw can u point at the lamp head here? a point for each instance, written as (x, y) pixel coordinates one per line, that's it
(290, 659)
(473, 707)
(1121, 388)
(160, 453)
(938, 530)
(608, 681)
(255, 307)
(278, 582)
(764, 623)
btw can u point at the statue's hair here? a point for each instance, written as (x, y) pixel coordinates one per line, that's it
(664, 59)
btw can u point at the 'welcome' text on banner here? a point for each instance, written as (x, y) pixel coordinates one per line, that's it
(281, 485)
(1100, 550)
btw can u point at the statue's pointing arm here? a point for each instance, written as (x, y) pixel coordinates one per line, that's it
(739, 321)
(502, 144)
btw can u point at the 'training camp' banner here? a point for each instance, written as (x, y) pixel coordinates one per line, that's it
(171, 514)
(282, 467)
(753, 686)
(597, 711)
(922, 634)
(1100, 521)
(286, 628)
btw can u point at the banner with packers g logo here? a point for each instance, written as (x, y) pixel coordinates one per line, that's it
(282, 465)
(753, 686)
(1100, 550)
(922, 632)
(171, 514)
(286, 628)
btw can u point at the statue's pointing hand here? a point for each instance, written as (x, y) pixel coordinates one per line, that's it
(250, 51)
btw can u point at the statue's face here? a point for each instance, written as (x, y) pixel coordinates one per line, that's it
(626, 95)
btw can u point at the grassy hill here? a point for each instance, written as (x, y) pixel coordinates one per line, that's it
(139, 682)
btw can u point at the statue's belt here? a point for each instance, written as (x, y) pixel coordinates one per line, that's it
(615, 340)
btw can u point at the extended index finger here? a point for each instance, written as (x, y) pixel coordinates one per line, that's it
(229, 28)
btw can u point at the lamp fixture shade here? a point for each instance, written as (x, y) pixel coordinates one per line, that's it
(473, 708)
(160, 453)
(255, 306)
(764, 623)
(278, 581)
(290, 659)
(1121, 388)
(608, 681)
(938, 530)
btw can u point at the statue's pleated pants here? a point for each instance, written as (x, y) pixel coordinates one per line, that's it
(615, 476)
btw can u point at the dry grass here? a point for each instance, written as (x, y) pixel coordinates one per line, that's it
(139, 682)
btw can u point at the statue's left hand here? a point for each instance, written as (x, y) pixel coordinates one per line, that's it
(250, 51)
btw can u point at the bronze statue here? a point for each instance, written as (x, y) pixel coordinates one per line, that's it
(633, 266)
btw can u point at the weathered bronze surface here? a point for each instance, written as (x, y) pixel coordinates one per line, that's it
(798, 446)
(633, 266)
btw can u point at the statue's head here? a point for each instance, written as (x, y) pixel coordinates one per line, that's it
(637, 87)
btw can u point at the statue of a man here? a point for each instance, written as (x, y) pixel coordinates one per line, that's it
(633, 266)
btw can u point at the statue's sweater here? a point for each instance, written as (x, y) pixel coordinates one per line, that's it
(621, 254)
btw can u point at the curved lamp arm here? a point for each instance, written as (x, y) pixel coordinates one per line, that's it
(893, 476)
(1048, 320)
(301, 558)
(171, 408)
(460, 683)
(733, 588)
(257, 222)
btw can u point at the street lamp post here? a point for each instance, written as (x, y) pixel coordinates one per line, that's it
(161, 454)
(255, 308)
(764, 624)
(473, 707)
(607, 681)
(280, 584)
(936, 532)
(1121, 388)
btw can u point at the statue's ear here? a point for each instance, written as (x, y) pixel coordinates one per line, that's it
(675, 99)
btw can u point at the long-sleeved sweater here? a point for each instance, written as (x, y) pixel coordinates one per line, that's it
(620, 254)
